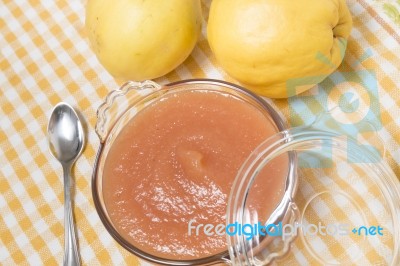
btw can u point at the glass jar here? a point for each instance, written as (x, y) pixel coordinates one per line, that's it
(339, 196)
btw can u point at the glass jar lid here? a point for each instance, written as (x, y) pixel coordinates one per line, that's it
(341, 204)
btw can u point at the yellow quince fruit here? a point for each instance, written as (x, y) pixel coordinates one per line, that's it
(138, 40)
(279, 48)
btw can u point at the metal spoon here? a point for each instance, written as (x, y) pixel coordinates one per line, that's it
(66, 139)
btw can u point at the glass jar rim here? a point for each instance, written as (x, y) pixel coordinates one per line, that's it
(277, 119)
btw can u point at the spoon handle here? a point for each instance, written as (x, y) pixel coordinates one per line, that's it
(71, 256)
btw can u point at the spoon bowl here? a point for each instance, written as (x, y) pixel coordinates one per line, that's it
(65, 133)
(66, 140)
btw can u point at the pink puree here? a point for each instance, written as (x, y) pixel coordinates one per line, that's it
(176, 161)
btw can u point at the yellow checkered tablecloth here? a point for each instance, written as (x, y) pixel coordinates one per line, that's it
(45, 58)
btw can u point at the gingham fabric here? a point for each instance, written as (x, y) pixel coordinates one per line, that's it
(45, 58)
